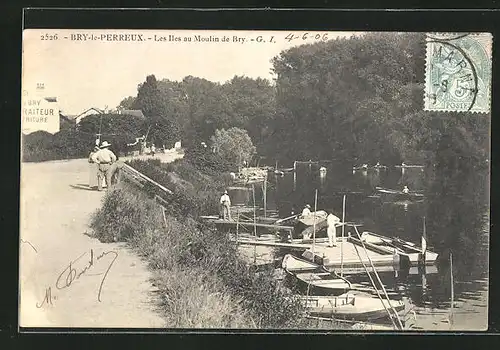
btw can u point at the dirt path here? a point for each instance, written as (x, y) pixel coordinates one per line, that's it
(68, 279)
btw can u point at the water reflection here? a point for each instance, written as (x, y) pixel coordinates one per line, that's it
(456, 210)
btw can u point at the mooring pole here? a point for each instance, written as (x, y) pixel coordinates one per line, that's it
(237, 224)
(342, 242)
(294, 175)
(452, 291)
(265, 196)
(314, 222)
(254, 226)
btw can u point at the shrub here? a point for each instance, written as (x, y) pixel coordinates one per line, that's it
(121, 217)
(198, 196)
(204, 281)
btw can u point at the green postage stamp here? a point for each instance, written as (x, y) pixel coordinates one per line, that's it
(458, 72)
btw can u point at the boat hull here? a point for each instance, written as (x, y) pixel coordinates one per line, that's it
(312, 275)
(350, 307)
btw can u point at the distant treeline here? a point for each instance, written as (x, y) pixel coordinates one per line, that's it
(357, 99)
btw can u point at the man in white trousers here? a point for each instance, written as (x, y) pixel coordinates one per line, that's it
(332, 222)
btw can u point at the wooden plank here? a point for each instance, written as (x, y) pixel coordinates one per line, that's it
(240, 188)
(372, 247)
(243, 223)
(127, 167)
(273, 244)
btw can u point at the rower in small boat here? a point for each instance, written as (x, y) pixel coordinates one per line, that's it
(306, 211)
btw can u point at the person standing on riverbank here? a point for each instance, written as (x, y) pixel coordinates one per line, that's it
(105, 159)
(225, 203)
(332, 222)
(93, 169)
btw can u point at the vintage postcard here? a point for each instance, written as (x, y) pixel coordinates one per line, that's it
(211, 179)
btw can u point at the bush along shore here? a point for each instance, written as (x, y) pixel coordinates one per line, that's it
(203, 281)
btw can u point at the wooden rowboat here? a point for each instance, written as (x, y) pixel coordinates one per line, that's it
(366, 167)
(318, 216)
(411, 250)
(359, 306)
(409, 166)
(400, 194)
(315, 275)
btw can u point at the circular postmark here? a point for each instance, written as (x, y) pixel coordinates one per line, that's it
(457, 65)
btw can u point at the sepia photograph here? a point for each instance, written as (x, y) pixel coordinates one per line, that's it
(255, 180)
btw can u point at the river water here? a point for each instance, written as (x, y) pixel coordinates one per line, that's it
(455, 209)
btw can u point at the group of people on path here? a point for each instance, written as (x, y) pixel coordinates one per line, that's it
(103, 167)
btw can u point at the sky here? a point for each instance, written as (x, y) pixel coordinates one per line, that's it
(101, 72)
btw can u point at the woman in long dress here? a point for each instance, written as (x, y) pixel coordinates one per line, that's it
(93, 168)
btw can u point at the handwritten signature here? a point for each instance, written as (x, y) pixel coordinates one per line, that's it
(71, 274)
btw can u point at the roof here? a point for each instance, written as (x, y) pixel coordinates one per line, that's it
(133, 112)
(99, 111)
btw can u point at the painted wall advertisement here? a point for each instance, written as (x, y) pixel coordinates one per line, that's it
(39, 112)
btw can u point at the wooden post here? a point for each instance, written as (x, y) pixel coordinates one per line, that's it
(314, 222)
(237, 224)
(265, 196)
(254, 226)
(452, 290)
(421, 257)
(294, 175)
(342, 242)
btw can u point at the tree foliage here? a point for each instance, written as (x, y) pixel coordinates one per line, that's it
(233, 145)
(357, 99)
(127, 103)
(363, 97)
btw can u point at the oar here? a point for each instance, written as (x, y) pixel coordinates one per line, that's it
(287, 218)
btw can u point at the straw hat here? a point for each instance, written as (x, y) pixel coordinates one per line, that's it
(105, 144)
(308, 206)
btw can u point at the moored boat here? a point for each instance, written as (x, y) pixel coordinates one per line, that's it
(352, 306)
(367, 167)
(402, 247)
(311, 274)
(360, 167)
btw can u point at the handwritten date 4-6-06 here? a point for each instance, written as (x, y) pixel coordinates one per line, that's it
(307, 36)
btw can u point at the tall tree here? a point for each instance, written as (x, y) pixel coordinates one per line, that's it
(153, 99)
